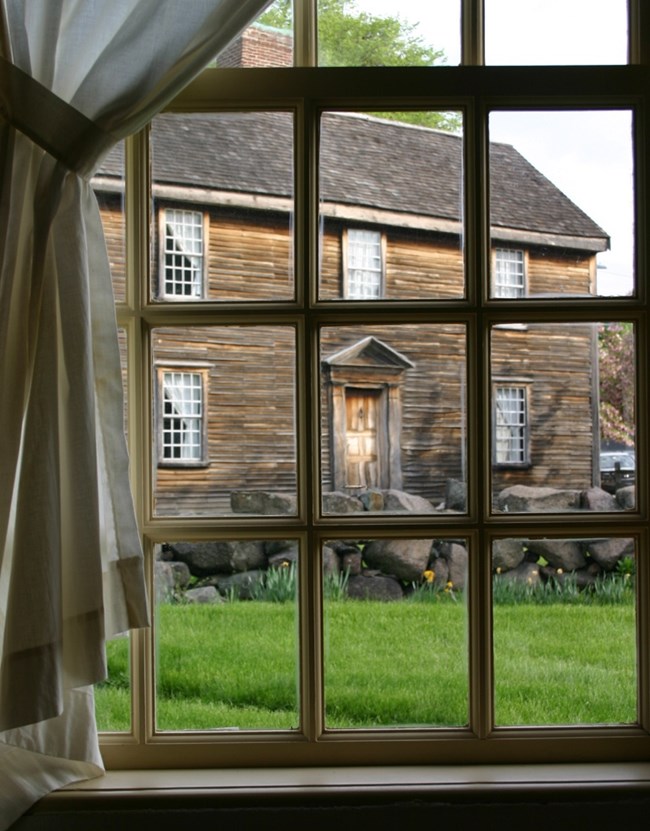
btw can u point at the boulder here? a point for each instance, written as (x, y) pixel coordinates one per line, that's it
(440, 569)
(456, 495)
(626, 497)
(523, 499)
(336, 502)
(371, 586)
(263, 502)
(596, 499)
(170, 578)
(351, 561)
(565, 554)
(404, 559)
(331, 563)
(524, 573)
(288, 554)
(507, 554)
(203, 594)
(372, 500)
(242, 585)
(205, 558)
(455, 556)
(607, 552)
(399, 502)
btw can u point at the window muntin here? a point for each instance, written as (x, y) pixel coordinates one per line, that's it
(182, 417)
(592, 743)
(509, 272)
(182, 256)
(363, 264)
(510, 425)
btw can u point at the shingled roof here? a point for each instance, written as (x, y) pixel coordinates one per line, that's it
(367, 162)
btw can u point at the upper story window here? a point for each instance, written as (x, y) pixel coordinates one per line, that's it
(183, 253)
(363, 265)
(509, 273)
(182, 415)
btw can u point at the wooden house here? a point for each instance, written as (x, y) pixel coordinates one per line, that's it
(394, 399)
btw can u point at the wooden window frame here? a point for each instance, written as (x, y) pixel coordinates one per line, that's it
(475, 90)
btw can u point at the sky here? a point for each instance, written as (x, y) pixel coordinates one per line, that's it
(588, 155)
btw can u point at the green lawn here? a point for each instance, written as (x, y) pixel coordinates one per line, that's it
(386, 664)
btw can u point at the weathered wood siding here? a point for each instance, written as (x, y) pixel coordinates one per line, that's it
(250, 408)
(110, 206)
(250, 370)
(557, 359)
(551, 272)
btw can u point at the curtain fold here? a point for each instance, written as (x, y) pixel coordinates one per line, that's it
(75, 77)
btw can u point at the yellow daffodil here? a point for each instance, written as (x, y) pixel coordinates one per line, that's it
(429, 575)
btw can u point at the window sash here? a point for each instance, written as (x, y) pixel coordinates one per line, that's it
(509, 273)
(182, 253)
(182, 417)
(511, 425)
(626, 86)
(364, 264)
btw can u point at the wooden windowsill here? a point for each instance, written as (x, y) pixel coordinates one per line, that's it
(192, 789)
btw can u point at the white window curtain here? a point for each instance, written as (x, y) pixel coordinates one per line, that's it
(75, 77)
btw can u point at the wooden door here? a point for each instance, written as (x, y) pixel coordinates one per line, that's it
(362, 440)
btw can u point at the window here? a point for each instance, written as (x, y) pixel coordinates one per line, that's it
(182, 259)
(509, 274)
(182, 417)
(435, 454)
(364, 268)
(510, 425)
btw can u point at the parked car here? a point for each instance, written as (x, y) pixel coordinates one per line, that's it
(617, 469)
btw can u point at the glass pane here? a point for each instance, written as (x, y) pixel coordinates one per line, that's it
(565, 32)
(108, 184)
(388, 33)
(267, 42)
(223, 207)
(113, 696)
(563, 417)
(393, 419)
(226, 635)
(561, 204)
(223, 422)
(564, 631)
(391, 197)
(395, 633)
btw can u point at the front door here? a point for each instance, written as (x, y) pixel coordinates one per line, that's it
(362, 456)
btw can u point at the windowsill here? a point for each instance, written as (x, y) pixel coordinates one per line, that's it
(193, 789)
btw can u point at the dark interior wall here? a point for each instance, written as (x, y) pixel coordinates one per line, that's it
(624, 813)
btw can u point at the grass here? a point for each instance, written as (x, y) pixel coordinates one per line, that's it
(234, 665)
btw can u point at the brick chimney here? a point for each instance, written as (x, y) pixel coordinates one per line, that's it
(259, 46)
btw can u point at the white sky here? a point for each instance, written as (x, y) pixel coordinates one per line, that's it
(586, 154)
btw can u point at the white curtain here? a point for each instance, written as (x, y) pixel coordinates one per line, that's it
(75, 77)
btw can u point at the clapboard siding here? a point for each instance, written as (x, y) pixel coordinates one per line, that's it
(113, 223)
(250, 371)
(250, 405)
